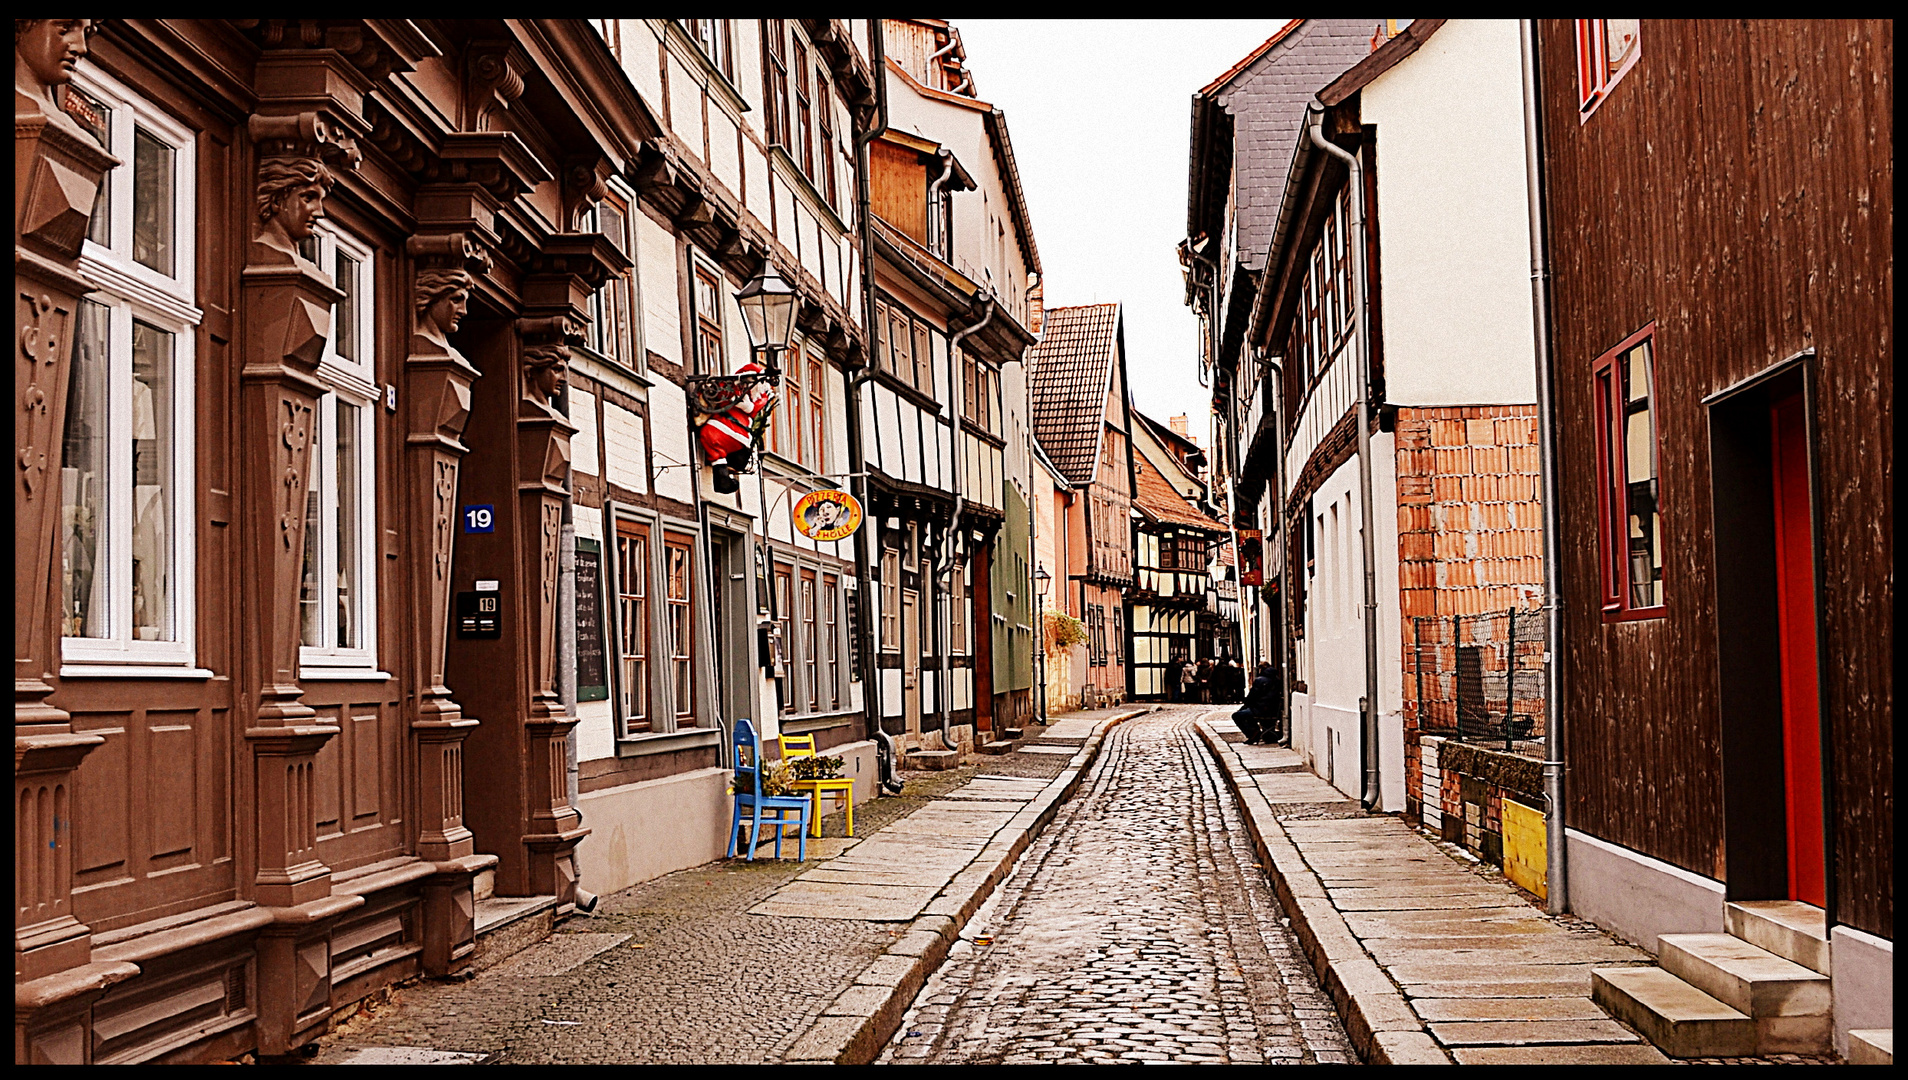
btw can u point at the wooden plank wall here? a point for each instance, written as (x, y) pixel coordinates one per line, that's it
(1736, 187)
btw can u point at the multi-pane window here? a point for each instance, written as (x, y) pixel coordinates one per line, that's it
(784, 622)
(126, 569)
(830, 694)
(798, 427)
(337, 583)
(825, 110)
(707, 298)
(906, 346)
(775, 80)
(890, 600)
(1629, 488)
(1606, 50)
(957, 608)
(980, 393)
(712, 36)
(816, 443)
(679, 574)
(809, 647)
(614, 323)
(804, 148)
(632, 620)
(785, 427)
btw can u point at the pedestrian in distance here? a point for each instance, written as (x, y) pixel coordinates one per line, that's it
(1235, 682)
(1205, 681)
(1258, 718)
(1174, 668)
(1188, 678)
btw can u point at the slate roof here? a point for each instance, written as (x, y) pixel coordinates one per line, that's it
(1158, 499)
(1072, 369)
(1265, 98)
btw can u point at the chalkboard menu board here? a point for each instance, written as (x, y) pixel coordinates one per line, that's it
(592, 672)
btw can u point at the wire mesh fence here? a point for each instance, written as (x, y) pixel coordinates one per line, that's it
(1480, 678)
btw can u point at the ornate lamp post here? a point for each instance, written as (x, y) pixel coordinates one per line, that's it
(768, 312)
(1042, 579)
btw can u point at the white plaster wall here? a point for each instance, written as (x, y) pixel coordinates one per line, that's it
(623, 446)
(1455, 254)
(656, 262)
(724, 153)
(595, 731)
(685, 107)
(1335, 630)
(583, 456)
(1638, 897)
(645, 830)
(1863, 983)
(666, 407)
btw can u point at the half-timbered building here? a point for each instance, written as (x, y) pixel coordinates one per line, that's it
(1082, 417)
(943, 423)
(702, 600)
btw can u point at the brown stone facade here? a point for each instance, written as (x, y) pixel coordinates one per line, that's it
(357, 240)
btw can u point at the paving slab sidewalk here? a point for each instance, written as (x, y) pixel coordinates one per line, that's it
(823, 957)
(1428, 961)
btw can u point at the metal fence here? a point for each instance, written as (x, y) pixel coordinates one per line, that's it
(1480, 678)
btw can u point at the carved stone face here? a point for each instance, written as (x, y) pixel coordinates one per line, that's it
(50, 49)
(299, 208)
(448, 310)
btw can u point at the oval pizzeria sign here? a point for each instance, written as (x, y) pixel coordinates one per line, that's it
(827, 515)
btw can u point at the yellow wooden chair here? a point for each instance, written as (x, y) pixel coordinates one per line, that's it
(843, 788)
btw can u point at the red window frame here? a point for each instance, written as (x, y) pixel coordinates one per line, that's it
(1613, 494)
(1595, 75)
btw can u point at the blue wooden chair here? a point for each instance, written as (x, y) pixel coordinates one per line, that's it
(776, 810)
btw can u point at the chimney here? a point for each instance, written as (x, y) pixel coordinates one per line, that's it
(1178, 424)
(1036, 310)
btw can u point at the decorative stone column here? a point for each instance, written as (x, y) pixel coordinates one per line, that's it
(437, 389)
(543, 455)
(286, 304)
(57, 170)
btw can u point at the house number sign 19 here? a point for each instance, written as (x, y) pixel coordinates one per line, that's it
(480, 519)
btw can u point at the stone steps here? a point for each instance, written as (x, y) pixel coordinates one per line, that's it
(1871, 1046)
(933, 760)
(1791, 929)
(1677, 1018)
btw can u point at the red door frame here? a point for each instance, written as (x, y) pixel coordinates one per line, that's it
(1795, 603)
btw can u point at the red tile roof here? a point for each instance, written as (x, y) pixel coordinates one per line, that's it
(1072, 370)
(1157, 499)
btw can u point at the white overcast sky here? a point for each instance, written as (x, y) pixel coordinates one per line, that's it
(1099, 113)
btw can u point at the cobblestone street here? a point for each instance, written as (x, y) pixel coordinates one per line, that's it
(1137, 928)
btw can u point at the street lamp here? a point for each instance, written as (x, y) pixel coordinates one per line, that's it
(768, 313)
(1041, 580)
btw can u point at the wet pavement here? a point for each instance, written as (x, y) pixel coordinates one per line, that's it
(1137, 928)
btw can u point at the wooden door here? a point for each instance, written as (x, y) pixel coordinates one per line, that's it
(1795, 617)
(911, 658)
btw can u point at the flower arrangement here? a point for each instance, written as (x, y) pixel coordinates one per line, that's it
(1063, 631)
(775, 780)
(814, 768)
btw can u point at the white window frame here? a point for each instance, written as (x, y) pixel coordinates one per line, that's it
(130, 290)
(630, 282)
(348, 381)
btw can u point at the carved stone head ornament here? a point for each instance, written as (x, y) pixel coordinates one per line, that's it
(45, 51)
(443, 297)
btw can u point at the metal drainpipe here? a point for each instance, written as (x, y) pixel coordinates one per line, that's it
(1368, 756)
(960, 502)
(864, 224)
(947, 172)
(1556, 866)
